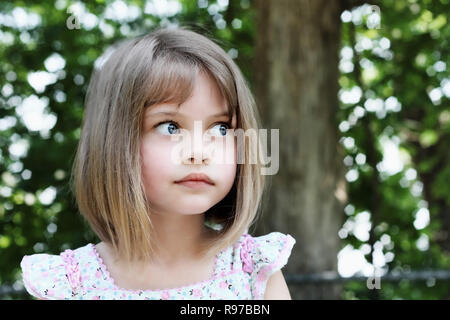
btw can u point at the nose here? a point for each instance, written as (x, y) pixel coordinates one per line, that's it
(196, 151)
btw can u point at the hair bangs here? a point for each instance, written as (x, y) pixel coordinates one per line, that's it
(171, 79)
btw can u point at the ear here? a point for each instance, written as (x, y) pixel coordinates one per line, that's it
(276, 288)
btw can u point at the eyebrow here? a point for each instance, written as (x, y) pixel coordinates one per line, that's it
(171, 113)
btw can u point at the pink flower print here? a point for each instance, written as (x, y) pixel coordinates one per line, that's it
(246, 248)
(50, 292)
(197, 293)
(261, 277)
(72, 270)
(165, 295)
(247, 286)
(96, 298)
(223, 285)
(98, 274)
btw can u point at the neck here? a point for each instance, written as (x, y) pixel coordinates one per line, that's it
(179, 237)
(179, 240)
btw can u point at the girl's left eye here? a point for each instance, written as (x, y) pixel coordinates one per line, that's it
(220, 129)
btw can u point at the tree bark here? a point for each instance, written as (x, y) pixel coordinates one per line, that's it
(296, 85)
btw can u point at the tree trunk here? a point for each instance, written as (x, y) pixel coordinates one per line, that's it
(296, 85)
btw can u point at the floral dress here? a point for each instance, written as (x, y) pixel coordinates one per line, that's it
(241, 272)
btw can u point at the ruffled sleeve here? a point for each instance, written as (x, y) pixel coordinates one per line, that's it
(268, 254)
(46, 276)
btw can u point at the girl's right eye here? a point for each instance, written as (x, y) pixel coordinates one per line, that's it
(167, 128)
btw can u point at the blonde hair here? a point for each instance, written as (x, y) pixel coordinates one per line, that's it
(106, 179)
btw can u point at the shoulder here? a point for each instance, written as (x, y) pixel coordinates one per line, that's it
(276, 288)
(53, 277)
(272, 246)
(263, 257)
(267, 251)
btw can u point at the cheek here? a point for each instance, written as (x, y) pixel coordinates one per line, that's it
(227, 165)
(155, 162)
(228, 175)
(224, 152)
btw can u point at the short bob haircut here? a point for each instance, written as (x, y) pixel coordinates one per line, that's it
(158, 67)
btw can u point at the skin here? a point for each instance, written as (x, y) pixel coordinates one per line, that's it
(178, 211)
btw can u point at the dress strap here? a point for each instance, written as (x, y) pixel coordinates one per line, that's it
(73, 273)
(247, 246)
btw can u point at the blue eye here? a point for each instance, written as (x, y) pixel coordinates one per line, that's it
(222, 131)
(167, 127)
(171, 127)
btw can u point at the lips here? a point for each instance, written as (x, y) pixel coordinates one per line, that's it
(196, 177)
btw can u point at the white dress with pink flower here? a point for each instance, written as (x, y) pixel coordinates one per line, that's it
(241, 272)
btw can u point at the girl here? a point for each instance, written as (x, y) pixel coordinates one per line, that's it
(173, 226)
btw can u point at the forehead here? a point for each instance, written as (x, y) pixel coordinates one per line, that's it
(205, 99)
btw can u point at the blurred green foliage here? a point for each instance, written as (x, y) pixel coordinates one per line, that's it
(399, 69)
(398, 64)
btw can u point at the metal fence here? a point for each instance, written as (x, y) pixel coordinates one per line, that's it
(394, 276)
(313, 278)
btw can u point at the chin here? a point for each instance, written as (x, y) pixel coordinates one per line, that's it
(192, 213)
(191, 210)
(194, 207)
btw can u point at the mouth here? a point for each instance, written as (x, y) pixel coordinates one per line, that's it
(194, 184)
(195, 180)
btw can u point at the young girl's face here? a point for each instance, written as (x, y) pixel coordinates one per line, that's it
(216, 160)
